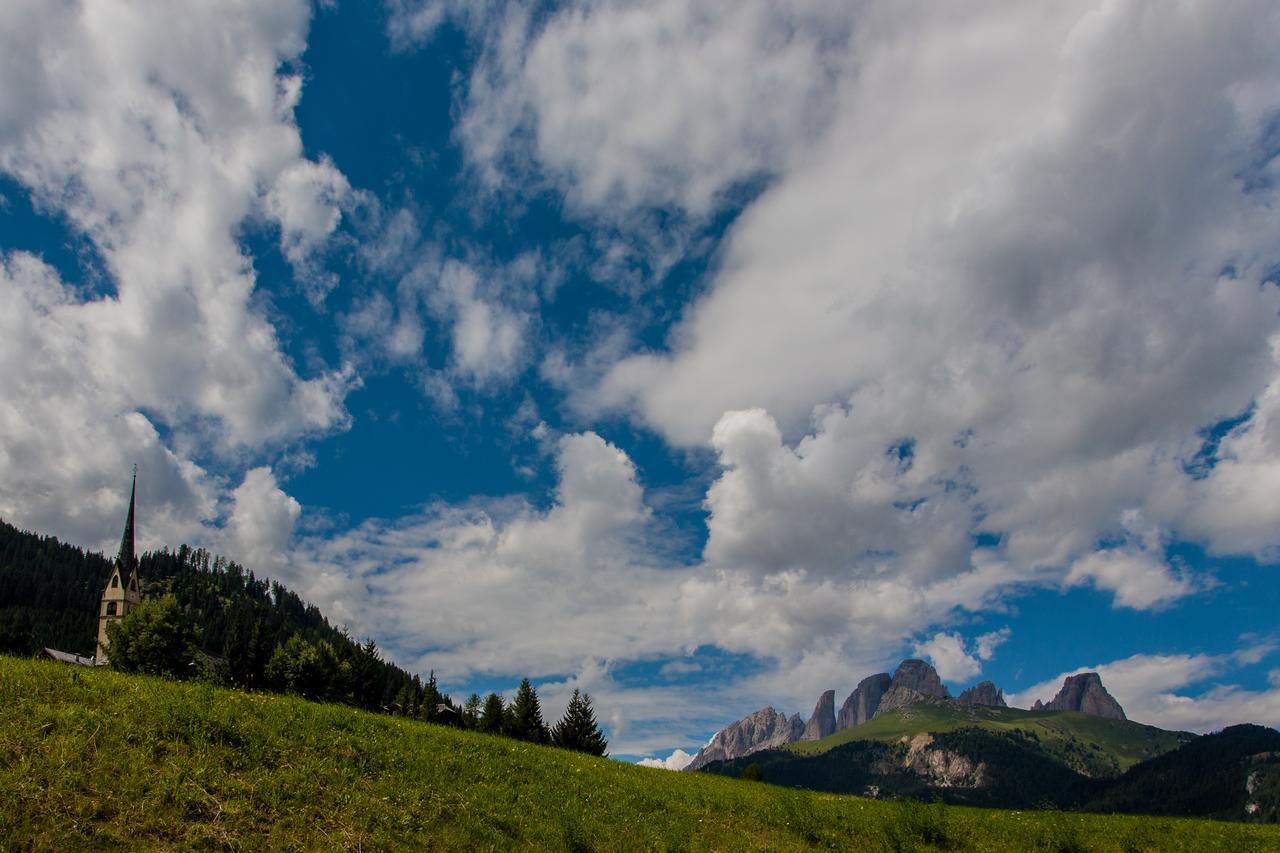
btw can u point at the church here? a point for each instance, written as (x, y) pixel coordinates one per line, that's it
(122, 593)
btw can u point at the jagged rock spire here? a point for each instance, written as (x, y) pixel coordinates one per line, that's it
(127, 559)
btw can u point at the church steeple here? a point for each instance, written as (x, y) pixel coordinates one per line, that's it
(123, 591)
(126, 559)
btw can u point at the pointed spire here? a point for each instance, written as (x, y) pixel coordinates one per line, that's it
(126, 559)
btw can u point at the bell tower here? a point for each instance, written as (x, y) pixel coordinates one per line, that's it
(122, 592)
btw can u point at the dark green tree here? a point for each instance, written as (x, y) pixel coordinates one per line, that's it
(312, 670)
(431, 698)
(524, 717)
(753, 773)
(367, 676)
(492, 716)
(471, 711)
(577, 729)
(156, 638)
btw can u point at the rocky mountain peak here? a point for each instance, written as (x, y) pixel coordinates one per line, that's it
(823, 721)
(1084, 693)
(983, 693)
(913, 681)
(863, 701)
(765, 729)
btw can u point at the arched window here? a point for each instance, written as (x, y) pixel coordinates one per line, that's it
(115, 581)
(111, 608)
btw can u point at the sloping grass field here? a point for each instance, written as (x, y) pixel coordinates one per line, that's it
(91, 759)
(1123, 742)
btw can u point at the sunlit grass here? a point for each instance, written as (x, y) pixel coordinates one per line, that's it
(94, 759)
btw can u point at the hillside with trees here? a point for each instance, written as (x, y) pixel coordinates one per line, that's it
(208, 617)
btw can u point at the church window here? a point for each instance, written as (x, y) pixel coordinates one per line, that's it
(111, 608)
(115, 581)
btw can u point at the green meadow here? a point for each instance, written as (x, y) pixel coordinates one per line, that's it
(92, 759)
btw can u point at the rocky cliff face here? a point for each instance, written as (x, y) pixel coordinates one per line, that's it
(914, 681)
(983, 693)
(823, 721)
(764, 729)
(863, 701)
(1084, 693)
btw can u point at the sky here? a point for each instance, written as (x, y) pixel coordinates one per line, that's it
(703, 356)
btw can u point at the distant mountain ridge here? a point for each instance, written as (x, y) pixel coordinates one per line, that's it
(1011, 758)
(913, 682)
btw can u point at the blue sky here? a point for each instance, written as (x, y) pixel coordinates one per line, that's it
(702, 357)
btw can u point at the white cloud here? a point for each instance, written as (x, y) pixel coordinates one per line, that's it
(662, 103)
(507, 588)
(948, 655)
(1139, 579)
(1160, 690)
(488, 338)
(677, 760)
(261, 522)
(985, 645)
(307, 200)
(155, 142)
(1046, 296)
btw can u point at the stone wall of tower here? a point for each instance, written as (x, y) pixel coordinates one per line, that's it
(120, 597)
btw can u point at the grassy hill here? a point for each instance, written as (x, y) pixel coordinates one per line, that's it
(94, 759)
(1090, 745)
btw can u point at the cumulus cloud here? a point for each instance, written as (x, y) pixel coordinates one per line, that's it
(154, 142)
(307, 200)
(584, 95)
(499, 586)
(677, 760)
(488, 338)
(1010, 323)
(261, 522)
(1178, 691)
(1138, 579)
(957, 659)
(948, 655)
(985, 645)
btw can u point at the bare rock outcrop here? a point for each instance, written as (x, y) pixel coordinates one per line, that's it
(863, 701)
(1084, 693)
(942, 767)
(914, 681)
(765, 729)
(823, 721)
(983, 693)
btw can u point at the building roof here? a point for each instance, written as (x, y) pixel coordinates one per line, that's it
(68, 657)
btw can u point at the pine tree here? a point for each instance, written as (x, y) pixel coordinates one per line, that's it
(525, 722)
(577, 729)
(367, 675)
(431, 698)
(471, 712)
(491, 718)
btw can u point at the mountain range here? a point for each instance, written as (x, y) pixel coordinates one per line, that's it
(905, 736)
(914, 681)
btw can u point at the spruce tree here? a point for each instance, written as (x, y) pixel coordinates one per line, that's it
(525, 722)
(492, 716)
(577, 729)
(471, 712)
(431, 698)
